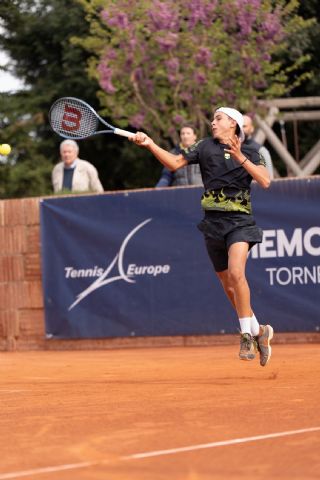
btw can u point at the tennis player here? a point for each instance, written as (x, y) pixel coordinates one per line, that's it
(227, 169)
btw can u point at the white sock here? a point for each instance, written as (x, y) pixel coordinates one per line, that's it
(245, 325)
(255, 327)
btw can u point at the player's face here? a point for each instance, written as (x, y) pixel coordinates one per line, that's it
(222, 126)
(187, 137)
(68, 154)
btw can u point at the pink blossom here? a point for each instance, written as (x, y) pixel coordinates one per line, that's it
(266, 57)
(252, 64)
(246, 21)
(173, 64)
(137, 120)
(174, 79)
(201, 11)
(118, 20)
(200, 78)
(105, 80)
(111, 54)
(133, 43)
(163, 16)
(178, 119)
(186, 96)
(168, 42)
(271, 28)
(203, 57)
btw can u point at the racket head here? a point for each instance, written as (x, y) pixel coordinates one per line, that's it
(73, 118)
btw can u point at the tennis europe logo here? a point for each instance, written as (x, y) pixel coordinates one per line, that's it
(116, 270)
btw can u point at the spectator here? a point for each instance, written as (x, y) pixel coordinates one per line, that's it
(188, 175)
(248, 129)
(74, 174)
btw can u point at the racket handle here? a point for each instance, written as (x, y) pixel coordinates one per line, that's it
(123, 133)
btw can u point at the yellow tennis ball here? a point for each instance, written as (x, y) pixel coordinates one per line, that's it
(5, 149)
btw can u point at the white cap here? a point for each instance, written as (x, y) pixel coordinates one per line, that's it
(235, 115)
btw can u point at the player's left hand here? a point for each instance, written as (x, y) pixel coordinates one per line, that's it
(234, 149)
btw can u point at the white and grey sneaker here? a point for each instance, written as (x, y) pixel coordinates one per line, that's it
(248, 347)
(264, 346)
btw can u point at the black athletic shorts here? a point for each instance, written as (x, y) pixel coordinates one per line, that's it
(222, 229)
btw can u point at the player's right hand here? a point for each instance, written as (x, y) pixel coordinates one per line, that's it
(142, 139)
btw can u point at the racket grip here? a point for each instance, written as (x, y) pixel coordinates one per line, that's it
(123, 133)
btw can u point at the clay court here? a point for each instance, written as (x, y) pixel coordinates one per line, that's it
(178, 408)
(160, 413)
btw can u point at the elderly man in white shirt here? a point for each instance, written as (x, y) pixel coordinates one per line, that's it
(74, 174)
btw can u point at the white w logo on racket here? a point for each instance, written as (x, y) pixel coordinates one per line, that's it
(73, 118)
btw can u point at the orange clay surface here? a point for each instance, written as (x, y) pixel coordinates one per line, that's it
(79, 415)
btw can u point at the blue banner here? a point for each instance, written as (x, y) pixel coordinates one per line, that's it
(135, 264)
(284, 270)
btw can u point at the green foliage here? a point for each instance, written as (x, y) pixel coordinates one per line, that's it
(26, 179)
(37, 36)
(56, 44)
(303, 43)
(163, 63)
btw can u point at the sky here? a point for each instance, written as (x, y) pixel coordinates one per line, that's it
(7, 81)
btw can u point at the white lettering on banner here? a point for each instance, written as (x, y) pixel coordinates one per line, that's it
(295, 275)
(88, 272)
(153, 270)
(267, 247)
(102, 274)
(308, 239)
(276, 244)
(290, 248)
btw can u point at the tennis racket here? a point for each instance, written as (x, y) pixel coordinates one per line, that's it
(73, 118)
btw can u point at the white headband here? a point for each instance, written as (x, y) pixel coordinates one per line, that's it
(235, 115)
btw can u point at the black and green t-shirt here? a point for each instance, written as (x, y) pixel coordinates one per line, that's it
(226, 182)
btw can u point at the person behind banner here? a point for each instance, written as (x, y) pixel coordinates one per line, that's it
(188, 175)
(227, 166)
(73, 174)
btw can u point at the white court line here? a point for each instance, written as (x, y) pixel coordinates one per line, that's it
(157, 453)
(38, 471)
(224, 443)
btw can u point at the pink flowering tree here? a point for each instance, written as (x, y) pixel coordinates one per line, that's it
(163, 63)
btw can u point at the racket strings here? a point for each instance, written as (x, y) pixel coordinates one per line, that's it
(73, 119)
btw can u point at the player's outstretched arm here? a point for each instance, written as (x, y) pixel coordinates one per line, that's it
(169, 160)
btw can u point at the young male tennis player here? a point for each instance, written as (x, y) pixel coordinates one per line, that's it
(229, 229)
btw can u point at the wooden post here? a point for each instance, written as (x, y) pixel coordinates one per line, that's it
(279, 147)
